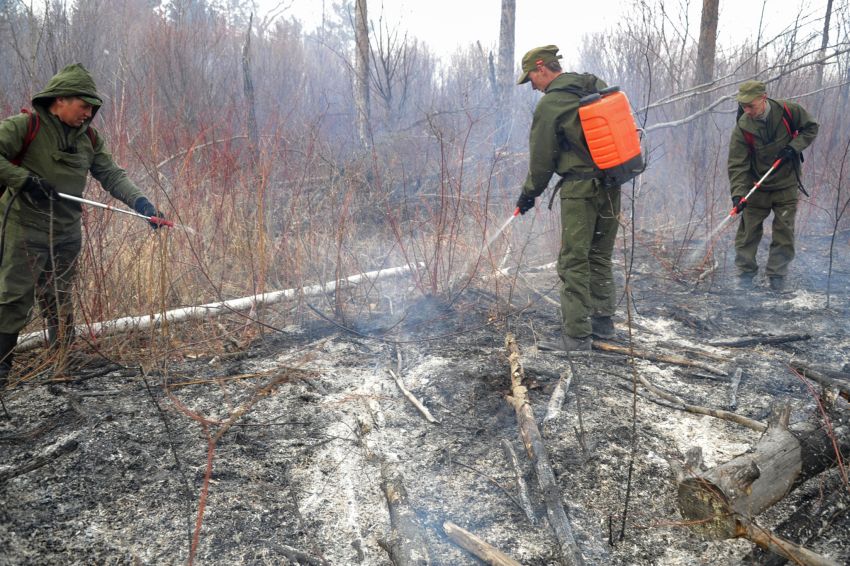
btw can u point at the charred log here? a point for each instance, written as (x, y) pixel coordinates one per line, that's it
(761, 340)
(536, 450)
(828, 503)
(406, 544)
(720, 503)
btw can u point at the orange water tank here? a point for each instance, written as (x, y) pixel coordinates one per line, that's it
(611, 134)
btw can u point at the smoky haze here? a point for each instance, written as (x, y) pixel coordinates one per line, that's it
(247, 130)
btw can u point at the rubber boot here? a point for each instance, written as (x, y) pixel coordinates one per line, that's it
(567, 344)
(603, 327)
(7, 347)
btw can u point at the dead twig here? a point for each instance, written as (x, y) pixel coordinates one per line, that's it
(820, 377)
(412, 398)
(53, 452)
(662, 358)
(682, 405)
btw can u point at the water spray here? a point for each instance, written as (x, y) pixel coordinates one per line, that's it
(498, 232)
(736, 210)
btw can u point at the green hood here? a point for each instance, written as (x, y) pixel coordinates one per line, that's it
(73, 80)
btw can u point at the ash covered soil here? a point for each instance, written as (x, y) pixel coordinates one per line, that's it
(283, 443)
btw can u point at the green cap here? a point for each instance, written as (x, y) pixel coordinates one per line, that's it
(537, 56)
(91, 100)
(749, 91)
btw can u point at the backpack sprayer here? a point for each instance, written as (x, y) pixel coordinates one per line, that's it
(612, 139)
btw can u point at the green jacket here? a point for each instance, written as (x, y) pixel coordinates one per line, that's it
(61, 155)
(556, 143)
(769, 137)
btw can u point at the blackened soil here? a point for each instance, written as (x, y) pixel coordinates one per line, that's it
(282, 446)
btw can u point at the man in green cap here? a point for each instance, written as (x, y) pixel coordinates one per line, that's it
(590, 204)
(49, 152)
(766, 131)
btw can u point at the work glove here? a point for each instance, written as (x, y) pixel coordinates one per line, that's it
(738, 205)
(144, 207)
(39, 189)
(787, 153)
(524, 203)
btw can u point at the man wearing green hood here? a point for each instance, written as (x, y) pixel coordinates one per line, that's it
(590, 204)
(42, 234)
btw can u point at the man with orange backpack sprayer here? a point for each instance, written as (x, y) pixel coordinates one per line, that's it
(52, 149)
(590, 195)
(768, 134)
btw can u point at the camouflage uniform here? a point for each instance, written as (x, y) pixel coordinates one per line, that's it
(589, 208)
(778, 193)
(43, 237)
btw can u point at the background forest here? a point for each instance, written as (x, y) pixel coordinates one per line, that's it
(301, 157)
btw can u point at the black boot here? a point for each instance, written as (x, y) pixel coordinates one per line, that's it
(7, 345)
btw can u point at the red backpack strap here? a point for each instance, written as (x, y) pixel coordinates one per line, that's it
(92, 134)
(789, 121)
(33, 124)
(751, 141)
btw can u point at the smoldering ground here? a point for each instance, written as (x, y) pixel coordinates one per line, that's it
(280, 448)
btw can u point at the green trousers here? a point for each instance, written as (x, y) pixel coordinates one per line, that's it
(37, 265)
(759, 206)
(588, 232)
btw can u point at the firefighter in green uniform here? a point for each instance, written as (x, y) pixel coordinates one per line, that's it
(41, 232)
(590, 205)
(766, 130)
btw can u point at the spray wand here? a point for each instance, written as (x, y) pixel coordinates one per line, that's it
(743, 202)
(736, 210)
(152, 219)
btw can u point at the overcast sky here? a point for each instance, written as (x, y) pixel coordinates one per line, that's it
(445, 24)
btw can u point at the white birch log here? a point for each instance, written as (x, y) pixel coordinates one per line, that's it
(134, 323)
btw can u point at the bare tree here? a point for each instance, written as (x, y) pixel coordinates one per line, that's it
(361, 67)
(824, 43)
(505, 81)
(248, 83)
(707, 41)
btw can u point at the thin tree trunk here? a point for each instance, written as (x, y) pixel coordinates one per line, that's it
(248, 83)
(361, 70)
(824, 42)
(504, 77)
(707, 42)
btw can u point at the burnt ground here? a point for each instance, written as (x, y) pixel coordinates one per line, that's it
(306, 417)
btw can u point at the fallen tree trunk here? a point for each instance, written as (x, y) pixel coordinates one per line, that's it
(478, 546)
(406, 543)
(720, 503)
(536, 450)
(758, 340)
(130, 323)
